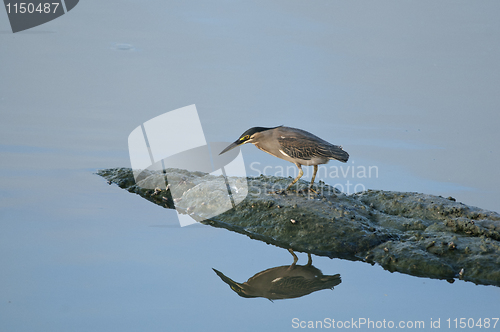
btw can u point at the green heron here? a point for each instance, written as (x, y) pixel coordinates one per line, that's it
(295, 145)
(284, 282)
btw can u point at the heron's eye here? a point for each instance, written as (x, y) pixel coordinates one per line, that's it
(245, 138)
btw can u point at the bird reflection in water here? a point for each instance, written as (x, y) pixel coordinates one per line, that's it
(284, 282)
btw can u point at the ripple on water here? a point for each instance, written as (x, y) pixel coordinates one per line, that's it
(123, 47)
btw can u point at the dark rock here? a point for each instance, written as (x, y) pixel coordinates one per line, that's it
(417, 234)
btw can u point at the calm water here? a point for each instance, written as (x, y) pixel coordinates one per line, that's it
(407, 87)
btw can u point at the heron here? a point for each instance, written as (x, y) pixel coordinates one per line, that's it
(294, 145)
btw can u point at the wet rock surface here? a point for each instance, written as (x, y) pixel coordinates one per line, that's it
(417, 234)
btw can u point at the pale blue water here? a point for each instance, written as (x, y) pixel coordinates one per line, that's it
(408, 87)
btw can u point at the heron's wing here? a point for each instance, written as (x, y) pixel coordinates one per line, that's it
(306, 148)
(289, 287)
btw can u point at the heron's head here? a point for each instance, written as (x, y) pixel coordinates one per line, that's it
(247, 137)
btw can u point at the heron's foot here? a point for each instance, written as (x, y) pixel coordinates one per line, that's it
(314, 191)
(295, 258)
(309, 259)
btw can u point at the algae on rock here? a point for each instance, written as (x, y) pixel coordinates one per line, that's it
(417, 234)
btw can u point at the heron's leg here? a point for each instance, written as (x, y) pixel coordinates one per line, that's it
(295, 258)
(301, 172)
(314, 177)
(309, 259)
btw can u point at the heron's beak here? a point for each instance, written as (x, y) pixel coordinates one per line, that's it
(234, 285)
(230, 147)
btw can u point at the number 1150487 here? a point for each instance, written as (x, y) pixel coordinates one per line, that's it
(472, 323)
(30, 8)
